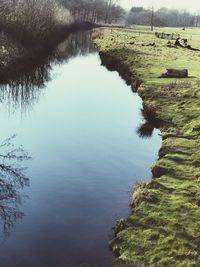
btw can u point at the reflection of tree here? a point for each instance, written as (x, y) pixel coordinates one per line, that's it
(145, 130)
(12, 181)
(75, 44)
(24, 91)
(22, 88)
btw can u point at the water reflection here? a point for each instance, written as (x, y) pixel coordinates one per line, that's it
(24, 88)
(74, 45)
(86, 158)
(12, 181)
(150, 122)
(145, 130)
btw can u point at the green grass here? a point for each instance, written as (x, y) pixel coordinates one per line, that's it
(164, 226)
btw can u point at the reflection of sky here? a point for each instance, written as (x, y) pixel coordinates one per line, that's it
(86, 158)
(192, 5)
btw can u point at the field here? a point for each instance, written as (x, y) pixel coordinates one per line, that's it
(163, 228)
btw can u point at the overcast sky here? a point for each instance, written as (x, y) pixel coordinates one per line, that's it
(191, 5)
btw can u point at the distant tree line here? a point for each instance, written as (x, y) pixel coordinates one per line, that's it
(40, 19)
(94, 11)
(162, 17)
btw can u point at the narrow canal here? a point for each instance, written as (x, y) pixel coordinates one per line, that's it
(79, 123)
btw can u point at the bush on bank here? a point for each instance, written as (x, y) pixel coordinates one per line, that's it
(33, 20)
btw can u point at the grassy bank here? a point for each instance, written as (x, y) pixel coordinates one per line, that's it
(163, 227)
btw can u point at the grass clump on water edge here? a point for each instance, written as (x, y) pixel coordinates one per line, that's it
(163, 227)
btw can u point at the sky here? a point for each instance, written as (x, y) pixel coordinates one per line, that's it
(191, 5)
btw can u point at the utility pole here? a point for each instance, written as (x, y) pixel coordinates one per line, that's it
(152, 18)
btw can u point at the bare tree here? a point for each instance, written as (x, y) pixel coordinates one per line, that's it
(12, 181)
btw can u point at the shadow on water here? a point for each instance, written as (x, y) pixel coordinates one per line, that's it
(150, 122)
(23, 89)
(12, 181)
(113, 64)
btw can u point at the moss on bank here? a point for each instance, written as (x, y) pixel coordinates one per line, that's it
(163, 228)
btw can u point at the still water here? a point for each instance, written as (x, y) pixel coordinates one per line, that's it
(78, 122)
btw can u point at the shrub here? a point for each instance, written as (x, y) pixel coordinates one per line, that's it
(33, 19)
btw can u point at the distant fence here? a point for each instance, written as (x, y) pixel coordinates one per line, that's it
(130, 30)
(162, 35)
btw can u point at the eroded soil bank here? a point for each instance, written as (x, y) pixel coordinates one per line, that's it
(163, 228)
